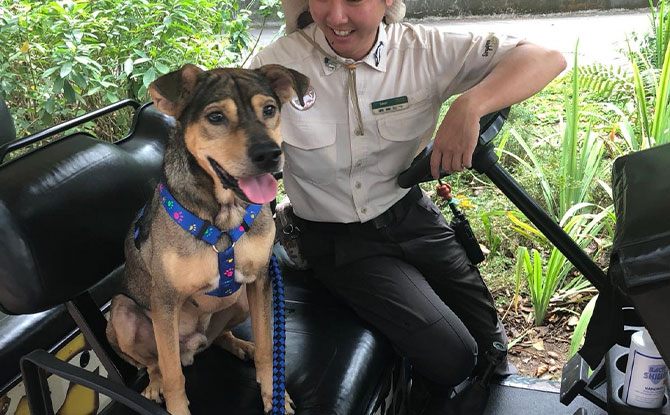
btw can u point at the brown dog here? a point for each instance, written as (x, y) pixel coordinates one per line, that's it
(225, 145)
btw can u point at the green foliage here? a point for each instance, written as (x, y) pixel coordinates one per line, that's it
(654, 128)
(660, 34)
(580, 330)
(65, 58)
(606, 81)
(545, 278)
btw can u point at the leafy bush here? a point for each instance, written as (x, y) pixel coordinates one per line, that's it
(65, 58)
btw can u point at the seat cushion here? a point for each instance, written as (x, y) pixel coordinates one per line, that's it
(335, 363)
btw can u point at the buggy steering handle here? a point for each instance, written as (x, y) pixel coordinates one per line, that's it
(419, 171)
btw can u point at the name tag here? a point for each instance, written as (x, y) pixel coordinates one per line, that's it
(390, 105)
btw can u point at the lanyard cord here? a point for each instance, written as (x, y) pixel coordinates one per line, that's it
(353, 92)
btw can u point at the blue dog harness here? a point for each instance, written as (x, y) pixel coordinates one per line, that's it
(204, 230)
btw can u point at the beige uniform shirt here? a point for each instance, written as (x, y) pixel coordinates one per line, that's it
(333, 175)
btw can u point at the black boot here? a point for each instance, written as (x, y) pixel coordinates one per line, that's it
(469, 397)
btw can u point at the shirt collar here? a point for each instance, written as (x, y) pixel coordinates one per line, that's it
(376, 59)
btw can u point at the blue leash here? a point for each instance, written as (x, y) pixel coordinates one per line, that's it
(278, 339)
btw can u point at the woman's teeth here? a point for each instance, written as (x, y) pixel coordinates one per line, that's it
(342, 32)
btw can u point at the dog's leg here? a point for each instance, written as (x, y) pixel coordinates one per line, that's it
(243, 349)
(223, 322)
(259, 295)
(165, 309)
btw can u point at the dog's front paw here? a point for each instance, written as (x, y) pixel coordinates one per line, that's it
(154, 390)
(243, 349)
(289, 406)
(195, 344)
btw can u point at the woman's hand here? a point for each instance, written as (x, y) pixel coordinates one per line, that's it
(456, 138)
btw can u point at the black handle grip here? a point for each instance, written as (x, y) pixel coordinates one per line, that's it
(419, 171)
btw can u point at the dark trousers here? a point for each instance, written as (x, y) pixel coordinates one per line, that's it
(412, 280)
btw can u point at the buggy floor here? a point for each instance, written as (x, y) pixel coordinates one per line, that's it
(518, 395)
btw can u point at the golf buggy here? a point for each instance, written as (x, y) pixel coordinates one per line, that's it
(65, 208)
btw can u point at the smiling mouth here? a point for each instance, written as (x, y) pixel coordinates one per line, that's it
(342, 33)
(226, 179)
(258, 189)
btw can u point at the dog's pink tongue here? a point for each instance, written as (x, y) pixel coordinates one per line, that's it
(259, 189)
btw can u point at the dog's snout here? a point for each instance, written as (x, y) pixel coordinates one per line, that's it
(265, 156)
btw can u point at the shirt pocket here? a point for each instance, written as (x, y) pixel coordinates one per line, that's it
(310, 150)
(401, 133)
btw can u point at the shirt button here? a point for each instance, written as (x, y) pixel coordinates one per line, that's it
(358, 185)
(364, 210)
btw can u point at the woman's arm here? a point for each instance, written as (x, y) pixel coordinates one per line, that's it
(521, 73)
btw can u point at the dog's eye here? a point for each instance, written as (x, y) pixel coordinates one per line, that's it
(269, 111)
(217, 118)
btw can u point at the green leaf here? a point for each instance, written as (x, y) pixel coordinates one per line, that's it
(65, 69)
(149, 77)
(69, 93)
(162, 68)
(128, 66)
(582, 324)
(49, 105)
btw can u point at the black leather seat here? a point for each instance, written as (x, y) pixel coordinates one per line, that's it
(64, 211)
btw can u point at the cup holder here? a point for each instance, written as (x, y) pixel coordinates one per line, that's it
(624, 340)
(630, 317)
(621, 363)
(620, 393)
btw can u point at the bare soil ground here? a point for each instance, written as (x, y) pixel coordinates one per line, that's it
(541, 351)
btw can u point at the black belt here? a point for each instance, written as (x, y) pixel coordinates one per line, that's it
(391, 215)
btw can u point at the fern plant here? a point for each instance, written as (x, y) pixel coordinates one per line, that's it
(607, 82)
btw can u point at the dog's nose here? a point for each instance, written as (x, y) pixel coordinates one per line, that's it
(265, 156)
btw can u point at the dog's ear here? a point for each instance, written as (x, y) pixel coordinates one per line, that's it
(171, 91)
(286, 82)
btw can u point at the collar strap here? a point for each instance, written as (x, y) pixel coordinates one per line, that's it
(203, 229)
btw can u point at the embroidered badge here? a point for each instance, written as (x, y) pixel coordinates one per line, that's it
(490, 46)
(309, 99)
(390, 105)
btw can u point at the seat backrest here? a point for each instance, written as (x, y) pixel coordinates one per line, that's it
(66, 207)
(7, 130)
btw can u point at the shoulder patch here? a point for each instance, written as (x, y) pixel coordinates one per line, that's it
(490, 46)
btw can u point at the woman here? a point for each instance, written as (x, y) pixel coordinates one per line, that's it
(376, 90)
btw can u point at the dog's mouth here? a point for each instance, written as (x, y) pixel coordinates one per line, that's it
(258, 189)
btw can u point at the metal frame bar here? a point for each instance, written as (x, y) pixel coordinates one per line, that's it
(35, 365)
(92, 324)
(41, 135)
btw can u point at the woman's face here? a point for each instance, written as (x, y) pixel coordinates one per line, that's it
(350, 26)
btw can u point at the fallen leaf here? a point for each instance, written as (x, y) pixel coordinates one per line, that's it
(526, 360)
(553, 354)
(539, 371)
(538, 345)
(573, 321)
(553, 368)
(547, 376)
